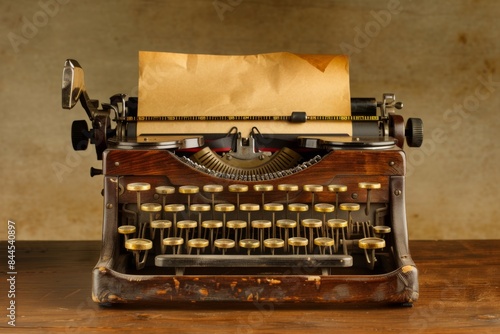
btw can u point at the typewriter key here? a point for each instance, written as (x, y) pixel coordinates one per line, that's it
(238, 188)
(137, 246)
(298, 207)
(212, 189)
(313, 189)
(298, 242)
(224, 244)
(174, 242)
(224, 208)
(312, 224)
(323, 243)
(336, 225)
(324, 208)
(211, 225)
(138, 187)
(249, 244)
(249, 207)
(200, 208)
(186, 225)
(287, 188)
(198, 243)
(236, 225)
(368, 186)
(274, 243)
(189, 190)
(164, 191)
(337, 188)
(349, 207)
(127, 231)
(381, 231)
(161, 225)
(151, 208)
(273, 207)
(371, 244)
(260, 225)
(263, 188)
(174, 208)
(286, 224)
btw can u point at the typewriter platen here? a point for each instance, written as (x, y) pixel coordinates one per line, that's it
(276, 218)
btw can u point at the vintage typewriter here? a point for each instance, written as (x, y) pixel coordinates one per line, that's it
(262, 218)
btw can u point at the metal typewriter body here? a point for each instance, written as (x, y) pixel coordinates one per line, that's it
(267, 218)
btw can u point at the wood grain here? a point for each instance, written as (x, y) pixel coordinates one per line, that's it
(459, 293)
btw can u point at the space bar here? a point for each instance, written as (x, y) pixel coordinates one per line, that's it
(315, 260)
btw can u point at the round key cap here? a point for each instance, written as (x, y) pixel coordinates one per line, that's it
(274, 243)
(313, 187)
(138, 186)
(213, 188)
(273, 207)
(224, 244)
(312, 222)
(369, 185)
(126, 229)
(288, 187)
(238, 188)
(197, 243)
(261, 223)
(286, 223)
(263, 187)
(165, 190)
(189, 189)
(349, 206)
(337, 188)
(323, 243)
(138, 244)
(249, 244)
(173, 242)
(324, 207)
(187, 224)
(200, 207)
(151, 207)
(211, 223)
(381, 229)
(336, 225)
(161, 224)
(298, 207)
(224, 207)
(174, 207)
(298, 242)
(371, 243)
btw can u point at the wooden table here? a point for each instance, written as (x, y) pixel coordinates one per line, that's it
(459, 293)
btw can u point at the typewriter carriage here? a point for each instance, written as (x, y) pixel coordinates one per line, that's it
(369, 261)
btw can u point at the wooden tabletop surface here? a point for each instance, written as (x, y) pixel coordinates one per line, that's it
(459, 293)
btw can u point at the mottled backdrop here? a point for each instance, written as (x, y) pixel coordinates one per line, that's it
(439, 57)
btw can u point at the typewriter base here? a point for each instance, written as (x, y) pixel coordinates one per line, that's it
(111, 286)
(393, 280)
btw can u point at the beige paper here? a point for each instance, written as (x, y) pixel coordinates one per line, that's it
(274, 84)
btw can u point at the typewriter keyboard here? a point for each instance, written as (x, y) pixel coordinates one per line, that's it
(203, 229)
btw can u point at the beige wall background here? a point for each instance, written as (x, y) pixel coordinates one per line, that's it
(439, 57)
